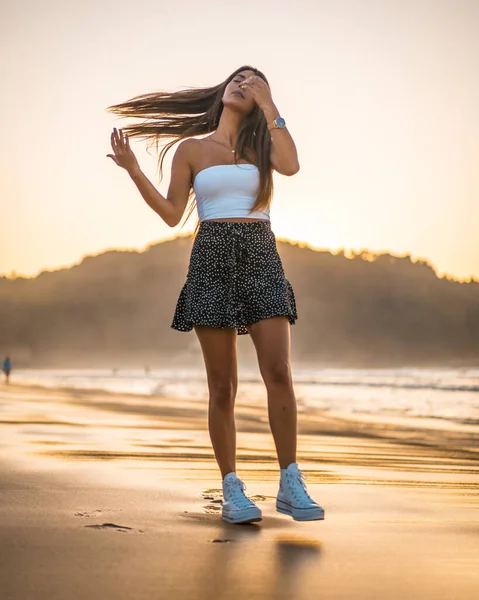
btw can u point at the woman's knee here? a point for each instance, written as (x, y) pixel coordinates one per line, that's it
(277, 374)
(222, 393)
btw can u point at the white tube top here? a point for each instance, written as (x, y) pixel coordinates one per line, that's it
(225, 191)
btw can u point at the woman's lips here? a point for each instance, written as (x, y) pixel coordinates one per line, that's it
(238, 92)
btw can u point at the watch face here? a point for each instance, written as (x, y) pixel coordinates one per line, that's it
(280, 122)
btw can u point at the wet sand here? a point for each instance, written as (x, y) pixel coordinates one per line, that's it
(118, 496)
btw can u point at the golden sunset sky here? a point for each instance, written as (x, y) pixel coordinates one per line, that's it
(381, 97)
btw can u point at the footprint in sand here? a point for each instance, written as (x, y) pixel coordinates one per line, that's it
(92, 513)
(215, 497)
(120, 528)
(212, 509)
(88, 514)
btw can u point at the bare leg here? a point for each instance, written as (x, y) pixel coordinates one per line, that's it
(271, 338)
(220, 356)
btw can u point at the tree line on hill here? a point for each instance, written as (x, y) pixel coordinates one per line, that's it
(359, 310)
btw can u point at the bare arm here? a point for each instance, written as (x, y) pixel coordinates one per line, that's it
(284, 157)
(171, 208)
(283, 154)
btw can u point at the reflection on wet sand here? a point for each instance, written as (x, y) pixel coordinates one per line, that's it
(335, 448)
(131, 484)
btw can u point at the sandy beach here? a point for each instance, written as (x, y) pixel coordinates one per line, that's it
(107, 495)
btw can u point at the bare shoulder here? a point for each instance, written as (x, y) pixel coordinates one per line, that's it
(186, 149)
(191, 146)
(188, 152)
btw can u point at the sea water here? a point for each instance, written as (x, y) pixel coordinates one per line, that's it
(441, 393)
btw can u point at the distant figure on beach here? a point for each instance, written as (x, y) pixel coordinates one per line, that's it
(7, 368)
(232, 138)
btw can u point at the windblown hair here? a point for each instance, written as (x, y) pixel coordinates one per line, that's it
(195, 112)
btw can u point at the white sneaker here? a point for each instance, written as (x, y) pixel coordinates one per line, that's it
(237, 508)
(293, 498)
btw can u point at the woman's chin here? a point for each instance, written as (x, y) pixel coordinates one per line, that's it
(238, 105)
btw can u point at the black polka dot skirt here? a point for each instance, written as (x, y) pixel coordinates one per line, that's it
(235, 278)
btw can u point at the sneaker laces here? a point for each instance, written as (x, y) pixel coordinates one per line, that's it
(295, 478)
(236, 492)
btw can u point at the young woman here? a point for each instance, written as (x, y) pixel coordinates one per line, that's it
(235, 283)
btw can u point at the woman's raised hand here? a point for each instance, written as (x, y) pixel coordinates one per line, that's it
(123, 154)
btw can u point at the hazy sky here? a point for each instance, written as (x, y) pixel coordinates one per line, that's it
(381, 97)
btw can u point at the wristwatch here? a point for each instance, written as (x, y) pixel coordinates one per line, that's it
(278, 123)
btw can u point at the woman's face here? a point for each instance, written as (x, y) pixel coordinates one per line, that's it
(236, 98)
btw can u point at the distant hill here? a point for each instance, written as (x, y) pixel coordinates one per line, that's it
(115, 309)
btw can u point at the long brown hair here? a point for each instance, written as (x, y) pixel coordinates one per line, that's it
(194, 112)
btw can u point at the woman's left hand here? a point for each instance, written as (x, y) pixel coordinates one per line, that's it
(259, 90)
